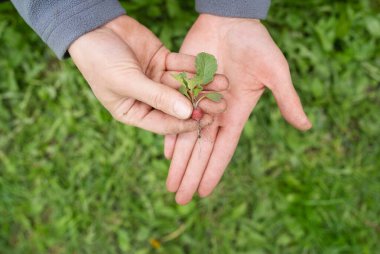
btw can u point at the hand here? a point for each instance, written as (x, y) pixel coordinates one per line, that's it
(125, 65)
(252, 62)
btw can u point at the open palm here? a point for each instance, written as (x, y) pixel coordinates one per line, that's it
(251, 61)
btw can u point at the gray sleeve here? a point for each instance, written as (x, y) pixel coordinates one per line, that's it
(257, 9)
(60, 22)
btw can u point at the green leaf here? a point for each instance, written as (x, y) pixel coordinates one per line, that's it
(183, 90)
(197, 90)
(192, 83)
(214, 96)
(206, 66)
(182, 78)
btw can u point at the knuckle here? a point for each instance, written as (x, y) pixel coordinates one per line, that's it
(124, 117)
(178, 127)
(121, 110)
(117, 116)
(158, 100)
(168, 130)
(172, 129)
(165, 131)
(186, 126)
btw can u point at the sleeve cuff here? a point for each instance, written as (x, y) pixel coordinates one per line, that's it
(61, 31)
(256, 9)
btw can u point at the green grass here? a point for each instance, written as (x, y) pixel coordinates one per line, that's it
(72, 180)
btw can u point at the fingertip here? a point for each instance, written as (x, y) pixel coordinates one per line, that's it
(290, 106)
(170, 188)
(306, 125)
(167, 154)
(206, 121)
(203, 193)
(183, 108)
(212, 107)
(182, 200)
(220, 83)
(299, 121)
(294, 114)
(169, 143)
(167, 150)
(180, 62)
(205, 189)
(227, 82)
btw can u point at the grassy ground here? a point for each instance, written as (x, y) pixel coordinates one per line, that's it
(72, 180)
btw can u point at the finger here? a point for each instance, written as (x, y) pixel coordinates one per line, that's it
(290, 106)
(196, 166)
(275, 74)
(180, 62)
(169, 145)
(182, 152)
(162, 124)
(212, 108)
(224, 148)
(159, 96)
(226, 140)
(142, 116)
(219, 84)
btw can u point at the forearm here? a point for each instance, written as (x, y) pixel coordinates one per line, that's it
(59, 23)
(257, 9)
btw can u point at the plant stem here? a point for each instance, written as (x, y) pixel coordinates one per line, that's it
(199, 100)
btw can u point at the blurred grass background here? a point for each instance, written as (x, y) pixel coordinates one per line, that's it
(72, 180)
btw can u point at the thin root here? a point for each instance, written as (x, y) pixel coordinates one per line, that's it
(199, 130)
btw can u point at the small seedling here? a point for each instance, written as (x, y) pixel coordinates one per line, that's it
(193, 88)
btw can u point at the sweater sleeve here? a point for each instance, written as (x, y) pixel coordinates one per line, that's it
(257, 9)
(59, 23)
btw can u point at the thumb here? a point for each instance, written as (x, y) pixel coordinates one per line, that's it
(161, 97)
(290, 106)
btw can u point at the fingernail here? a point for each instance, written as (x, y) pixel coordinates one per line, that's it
(182, 110)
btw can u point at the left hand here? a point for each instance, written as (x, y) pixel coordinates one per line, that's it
(129, 71)
(251, 61)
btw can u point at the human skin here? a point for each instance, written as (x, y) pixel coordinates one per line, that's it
(252, 62)
(129, 71)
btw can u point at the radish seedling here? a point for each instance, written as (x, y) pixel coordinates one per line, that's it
(193, 88)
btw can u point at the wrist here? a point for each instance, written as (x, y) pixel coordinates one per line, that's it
(140, 39)
(220, 25)
(127, 28)
(220, 20)
(86, 40)
(124, 24)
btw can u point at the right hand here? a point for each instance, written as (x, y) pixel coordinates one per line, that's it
(125, 64)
